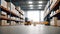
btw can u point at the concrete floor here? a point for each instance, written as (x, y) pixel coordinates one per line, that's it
(21, 29)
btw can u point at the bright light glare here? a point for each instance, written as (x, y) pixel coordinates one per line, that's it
(39, 5)
(30, 2)
(33, 15)
(30, 5)
(40, 2)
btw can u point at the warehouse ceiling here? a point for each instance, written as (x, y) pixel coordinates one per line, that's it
(30, 4)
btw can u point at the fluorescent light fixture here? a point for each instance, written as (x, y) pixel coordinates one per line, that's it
(30, 5)
(30, 2)
(40, 2)
(39, 5)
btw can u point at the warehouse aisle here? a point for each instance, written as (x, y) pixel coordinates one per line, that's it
(21, 29)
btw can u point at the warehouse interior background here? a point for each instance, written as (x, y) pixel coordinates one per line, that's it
(29, 16)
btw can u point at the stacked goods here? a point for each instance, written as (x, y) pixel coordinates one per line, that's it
(22, 11)
(54, 21)
(13, 18)
(13, 23)
(11, 6)
(17, 19)
(4, 22)
(16, 12)
(53, 2)
(4, 14)
(3, 3)
(18, 7)
(8, 5)
(57, 11)
(8, 16)
(22, 16)
(58, 22)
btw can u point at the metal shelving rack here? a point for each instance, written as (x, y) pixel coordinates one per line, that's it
(54, 8)
(9, 12)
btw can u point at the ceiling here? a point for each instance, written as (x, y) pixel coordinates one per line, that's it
(30, 4)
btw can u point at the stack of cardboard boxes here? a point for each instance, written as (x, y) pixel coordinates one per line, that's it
(4, 22)
(11, 7)
(53, 21)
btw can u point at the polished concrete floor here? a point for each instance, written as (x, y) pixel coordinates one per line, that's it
(21, 29)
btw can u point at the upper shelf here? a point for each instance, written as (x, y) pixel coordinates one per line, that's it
(57, 14)
(54, 5)
(8, 11)
(4, 18)
(19, 11)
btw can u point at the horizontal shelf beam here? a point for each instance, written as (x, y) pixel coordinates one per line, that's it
(8, 11)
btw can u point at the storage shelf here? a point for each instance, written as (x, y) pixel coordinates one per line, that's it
(56, 15)
(5, 18)
(21, 18)
(3, 14)
(8, 11)
(54, 6)
(18, 11)
(56, 3)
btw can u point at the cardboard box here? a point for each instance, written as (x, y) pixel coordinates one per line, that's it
(4, 22)
(10, 6)
(13, 18)
(13, 23)
(16, 12)
(53, 3)
(54, 21)
(57, 11)
(3, 3)
(2, 12)
(58, 22)
(18, 7)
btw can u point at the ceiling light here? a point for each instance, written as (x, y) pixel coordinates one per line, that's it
(30, 2)
(39, 5)
(40, 2)
(30, 5)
